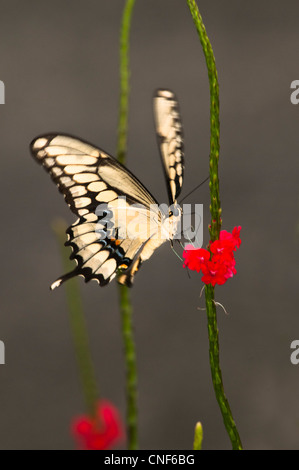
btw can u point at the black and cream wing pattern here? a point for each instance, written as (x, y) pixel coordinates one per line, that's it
(170, 140)
(108, 200)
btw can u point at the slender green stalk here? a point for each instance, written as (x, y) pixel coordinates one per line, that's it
(216, 370)
(215, 226)
(214, 120)
(78, 326)
(131, 366)
(124, 81)
(124, 298)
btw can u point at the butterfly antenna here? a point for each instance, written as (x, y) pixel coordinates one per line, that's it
(188, 273)
(182, 246)
(194, 189)
(176, 253)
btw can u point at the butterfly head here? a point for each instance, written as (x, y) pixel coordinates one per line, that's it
(171, 223)
(175, 210)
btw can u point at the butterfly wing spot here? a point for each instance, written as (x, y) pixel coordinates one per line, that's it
(168, 94)
(56, 172)
(49, 162)
(172, 173)
(82, 202)
(106, 196)
(96, 260)
(123, 267)
(171, 159)
(81, 229)
(90, 250)
(66, 181)
(56, 284)
(78, 190)
(178, 156)
(41, 154)
(76, 160)
(97, 186)
(73, 169)
(85, 178)
(179, 170)
(172, 186)
(86, 239)
(83, 212)
(54, 150)
(107, 268)
(90, 217)
(39, 143)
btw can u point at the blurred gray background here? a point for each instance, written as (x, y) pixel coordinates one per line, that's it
(60, 65)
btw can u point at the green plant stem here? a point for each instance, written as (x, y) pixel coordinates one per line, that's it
(78, 326)
(124, 298)
(216, 370)
(215, 209)
(131, 367)
(124, 81)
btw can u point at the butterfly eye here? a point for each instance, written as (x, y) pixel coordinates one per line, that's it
(108, 214)
(174, 212)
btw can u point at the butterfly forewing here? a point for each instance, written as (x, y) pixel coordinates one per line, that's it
(87, 176)
(170, 139)
(90, 179)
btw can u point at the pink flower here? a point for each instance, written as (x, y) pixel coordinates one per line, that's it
(101, 432)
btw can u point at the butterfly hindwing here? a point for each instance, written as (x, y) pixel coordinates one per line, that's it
(170, 139)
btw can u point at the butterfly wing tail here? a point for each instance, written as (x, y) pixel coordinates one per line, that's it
(64, 278)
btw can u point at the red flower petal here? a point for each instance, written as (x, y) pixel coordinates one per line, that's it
(234, 236)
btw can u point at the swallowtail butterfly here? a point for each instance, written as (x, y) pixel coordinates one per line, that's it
(89, 177)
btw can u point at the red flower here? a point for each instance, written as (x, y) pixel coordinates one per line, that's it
(195, 258)
(221, 266)
(223, 247)
(101, 432)
(214, 273)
